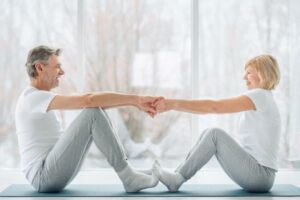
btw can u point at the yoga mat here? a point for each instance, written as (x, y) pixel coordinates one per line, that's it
(187, 190)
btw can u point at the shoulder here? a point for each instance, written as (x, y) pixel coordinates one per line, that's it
(35, 99)
(260, 97)
(32, 92)
(259, 94)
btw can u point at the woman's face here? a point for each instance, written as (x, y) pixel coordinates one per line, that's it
(251, 77)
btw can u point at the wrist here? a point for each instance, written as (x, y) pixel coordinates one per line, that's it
(171, 104)
(135, 100)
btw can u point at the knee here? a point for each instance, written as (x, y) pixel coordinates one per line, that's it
(95, 112)
(91, 110)
(215, 133)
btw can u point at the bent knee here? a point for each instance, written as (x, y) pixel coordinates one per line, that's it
(216, 132)
(91, 110)
(95, 111)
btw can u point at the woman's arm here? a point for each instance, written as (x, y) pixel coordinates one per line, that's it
(205, 106)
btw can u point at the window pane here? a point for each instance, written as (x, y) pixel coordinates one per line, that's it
(141, 47)
(28, 24)
(125, 46)
(144, 47)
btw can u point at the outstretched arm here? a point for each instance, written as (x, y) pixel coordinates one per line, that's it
(103, 100)
(205, 106)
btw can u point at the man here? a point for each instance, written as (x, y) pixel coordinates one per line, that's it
(52, 157)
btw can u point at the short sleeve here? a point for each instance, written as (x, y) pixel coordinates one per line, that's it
(39, 100)
(258, 97)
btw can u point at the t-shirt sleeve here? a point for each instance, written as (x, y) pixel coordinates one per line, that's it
(39, 100)
(258, 97)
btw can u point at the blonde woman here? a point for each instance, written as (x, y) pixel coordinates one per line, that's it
(251, 163)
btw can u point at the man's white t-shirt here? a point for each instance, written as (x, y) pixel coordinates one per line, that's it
(259, 130)
(37, 129)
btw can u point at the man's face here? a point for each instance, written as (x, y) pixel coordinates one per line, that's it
(52, 72)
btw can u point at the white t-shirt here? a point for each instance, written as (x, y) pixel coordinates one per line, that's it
(37, 129)
(259, 130)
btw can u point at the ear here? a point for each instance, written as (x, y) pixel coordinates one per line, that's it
(39, 68)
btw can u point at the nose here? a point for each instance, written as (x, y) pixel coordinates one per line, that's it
(61, 72)
(245, 77)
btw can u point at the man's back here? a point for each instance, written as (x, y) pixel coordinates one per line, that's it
(37, 129)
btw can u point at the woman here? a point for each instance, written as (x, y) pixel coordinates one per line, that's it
(250, 163)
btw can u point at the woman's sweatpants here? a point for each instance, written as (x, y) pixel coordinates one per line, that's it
(66, 157)
(239, 165)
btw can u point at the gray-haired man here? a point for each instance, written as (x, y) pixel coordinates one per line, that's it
(51, 157)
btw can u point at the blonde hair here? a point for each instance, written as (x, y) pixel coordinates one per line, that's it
(267, 69)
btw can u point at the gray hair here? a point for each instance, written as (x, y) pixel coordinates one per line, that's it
(39, 54)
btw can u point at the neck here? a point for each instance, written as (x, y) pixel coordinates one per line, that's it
(39, 84)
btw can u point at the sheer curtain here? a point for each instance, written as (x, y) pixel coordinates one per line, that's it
(113, 45)
(144, 46)
(294, 107)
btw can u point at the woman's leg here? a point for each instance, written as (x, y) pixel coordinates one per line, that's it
(236, 162)
(64, 160)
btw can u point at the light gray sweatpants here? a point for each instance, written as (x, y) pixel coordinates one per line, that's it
(239, 165)
(66, 157)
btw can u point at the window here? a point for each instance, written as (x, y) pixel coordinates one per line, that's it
(234, 31)
(153, 47)
(133, 46)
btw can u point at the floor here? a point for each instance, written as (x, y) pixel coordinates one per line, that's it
(107, 176)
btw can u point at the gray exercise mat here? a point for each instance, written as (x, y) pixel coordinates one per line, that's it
(187, 190)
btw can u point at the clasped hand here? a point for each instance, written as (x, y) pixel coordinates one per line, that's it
(152, 105)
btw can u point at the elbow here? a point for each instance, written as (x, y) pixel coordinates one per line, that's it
(215, 110)
(215, 107)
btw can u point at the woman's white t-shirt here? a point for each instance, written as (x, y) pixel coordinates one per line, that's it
(259, 130)
(37, 129)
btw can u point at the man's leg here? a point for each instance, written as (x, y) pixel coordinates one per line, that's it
(65, 159)
(109, 143)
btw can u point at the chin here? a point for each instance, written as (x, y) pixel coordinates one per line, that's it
(55, 85)
(249, 87)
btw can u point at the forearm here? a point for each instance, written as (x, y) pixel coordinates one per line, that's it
(192, 106)
(109, 100)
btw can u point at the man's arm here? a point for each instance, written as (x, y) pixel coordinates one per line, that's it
(205, 106)
(103, 100)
